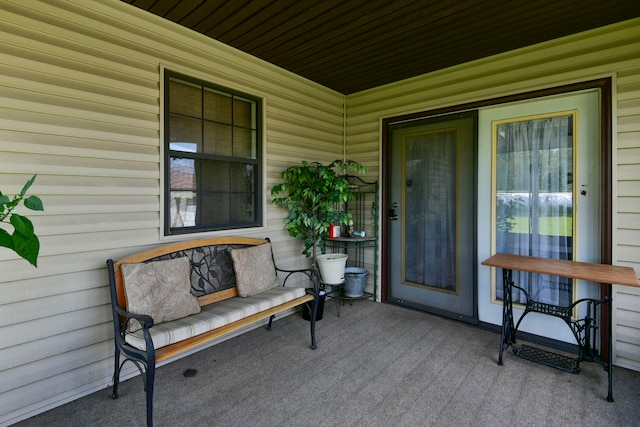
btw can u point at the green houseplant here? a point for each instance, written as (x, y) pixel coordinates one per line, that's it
(314, 194)
(23, 240)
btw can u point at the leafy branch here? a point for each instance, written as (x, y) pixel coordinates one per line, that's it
(23, 240)
(314, 194)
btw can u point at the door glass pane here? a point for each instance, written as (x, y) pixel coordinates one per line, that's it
(430, 209)
(534, 199)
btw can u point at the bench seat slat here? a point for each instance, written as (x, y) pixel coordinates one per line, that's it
(213, 316)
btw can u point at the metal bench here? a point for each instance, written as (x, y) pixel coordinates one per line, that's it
(223, 311)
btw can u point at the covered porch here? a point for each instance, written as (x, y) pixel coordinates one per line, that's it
(82, 95)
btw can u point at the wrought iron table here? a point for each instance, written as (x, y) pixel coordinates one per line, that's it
(583, 329)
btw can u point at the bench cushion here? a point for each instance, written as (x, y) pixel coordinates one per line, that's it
(214, 316)
(255, 270)
(160, 289)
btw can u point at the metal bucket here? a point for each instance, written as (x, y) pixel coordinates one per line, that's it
(355, 280)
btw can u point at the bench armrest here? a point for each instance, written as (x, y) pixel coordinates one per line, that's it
(311, 273)
(145, 320)
(122, 329)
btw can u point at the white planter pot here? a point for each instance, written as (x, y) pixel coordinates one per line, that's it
(331, 268)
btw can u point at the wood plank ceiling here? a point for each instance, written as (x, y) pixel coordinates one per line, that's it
(354, 45)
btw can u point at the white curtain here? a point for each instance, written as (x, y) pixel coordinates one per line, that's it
(430, 209)
(534, 206)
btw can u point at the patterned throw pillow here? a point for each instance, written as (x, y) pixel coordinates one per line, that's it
(255, 271)
(160, 289)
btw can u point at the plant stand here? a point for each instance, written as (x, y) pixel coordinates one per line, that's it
(362, 251)
(336, 292)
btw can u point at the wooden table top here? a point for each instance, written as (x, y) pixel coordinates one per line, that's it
(602, 273)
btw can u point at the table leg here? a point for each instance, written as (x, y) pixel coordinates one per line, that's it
(507, 337)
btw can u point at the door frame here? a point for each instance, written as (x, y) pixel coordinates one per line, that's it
(606, 166)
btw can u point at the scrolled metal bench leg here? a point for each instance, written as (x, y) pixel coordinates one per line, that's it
(116, 375)
(150, 377)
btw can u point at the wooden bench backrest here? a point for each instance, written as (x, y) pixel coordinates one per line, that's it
(174, 250)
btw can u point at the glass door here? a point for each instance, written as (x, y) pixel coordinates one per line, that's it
(432, 215)
(539, 195)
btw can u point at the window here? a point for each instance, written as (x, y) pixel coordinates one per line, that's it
(213, 142)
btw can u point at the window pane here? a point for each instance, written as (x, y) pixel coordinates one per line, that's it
(244, 143)
(217, 106)
(185, 99)
(231, 193)
(215, 199)
(218, 139)
(244, 113)
(185, 147)
(242, 178)
(243, 196)
(183, 209)
(182, 175)
(242, 207)
(182, 194)
(215, 209)
(216, 175)
(187, 130)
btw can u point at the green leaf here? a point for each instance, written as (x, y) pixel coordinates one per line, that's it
(5, 239)
(34, 203)
(27, 246)
(27, 185)
(22, 224)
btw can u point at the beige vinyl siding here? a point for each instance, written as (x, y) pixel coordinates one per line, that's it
(605, 52)
(80, 105)
(627, 220)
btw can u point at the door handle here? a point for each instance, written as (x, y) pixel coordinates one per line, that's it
(392, 215)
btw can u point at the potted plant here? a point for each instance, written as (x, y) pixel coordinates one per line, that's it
(314, 194)
(23, 240)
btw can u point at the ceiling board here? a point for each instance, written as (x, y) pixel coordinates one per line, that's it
(354, 45)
